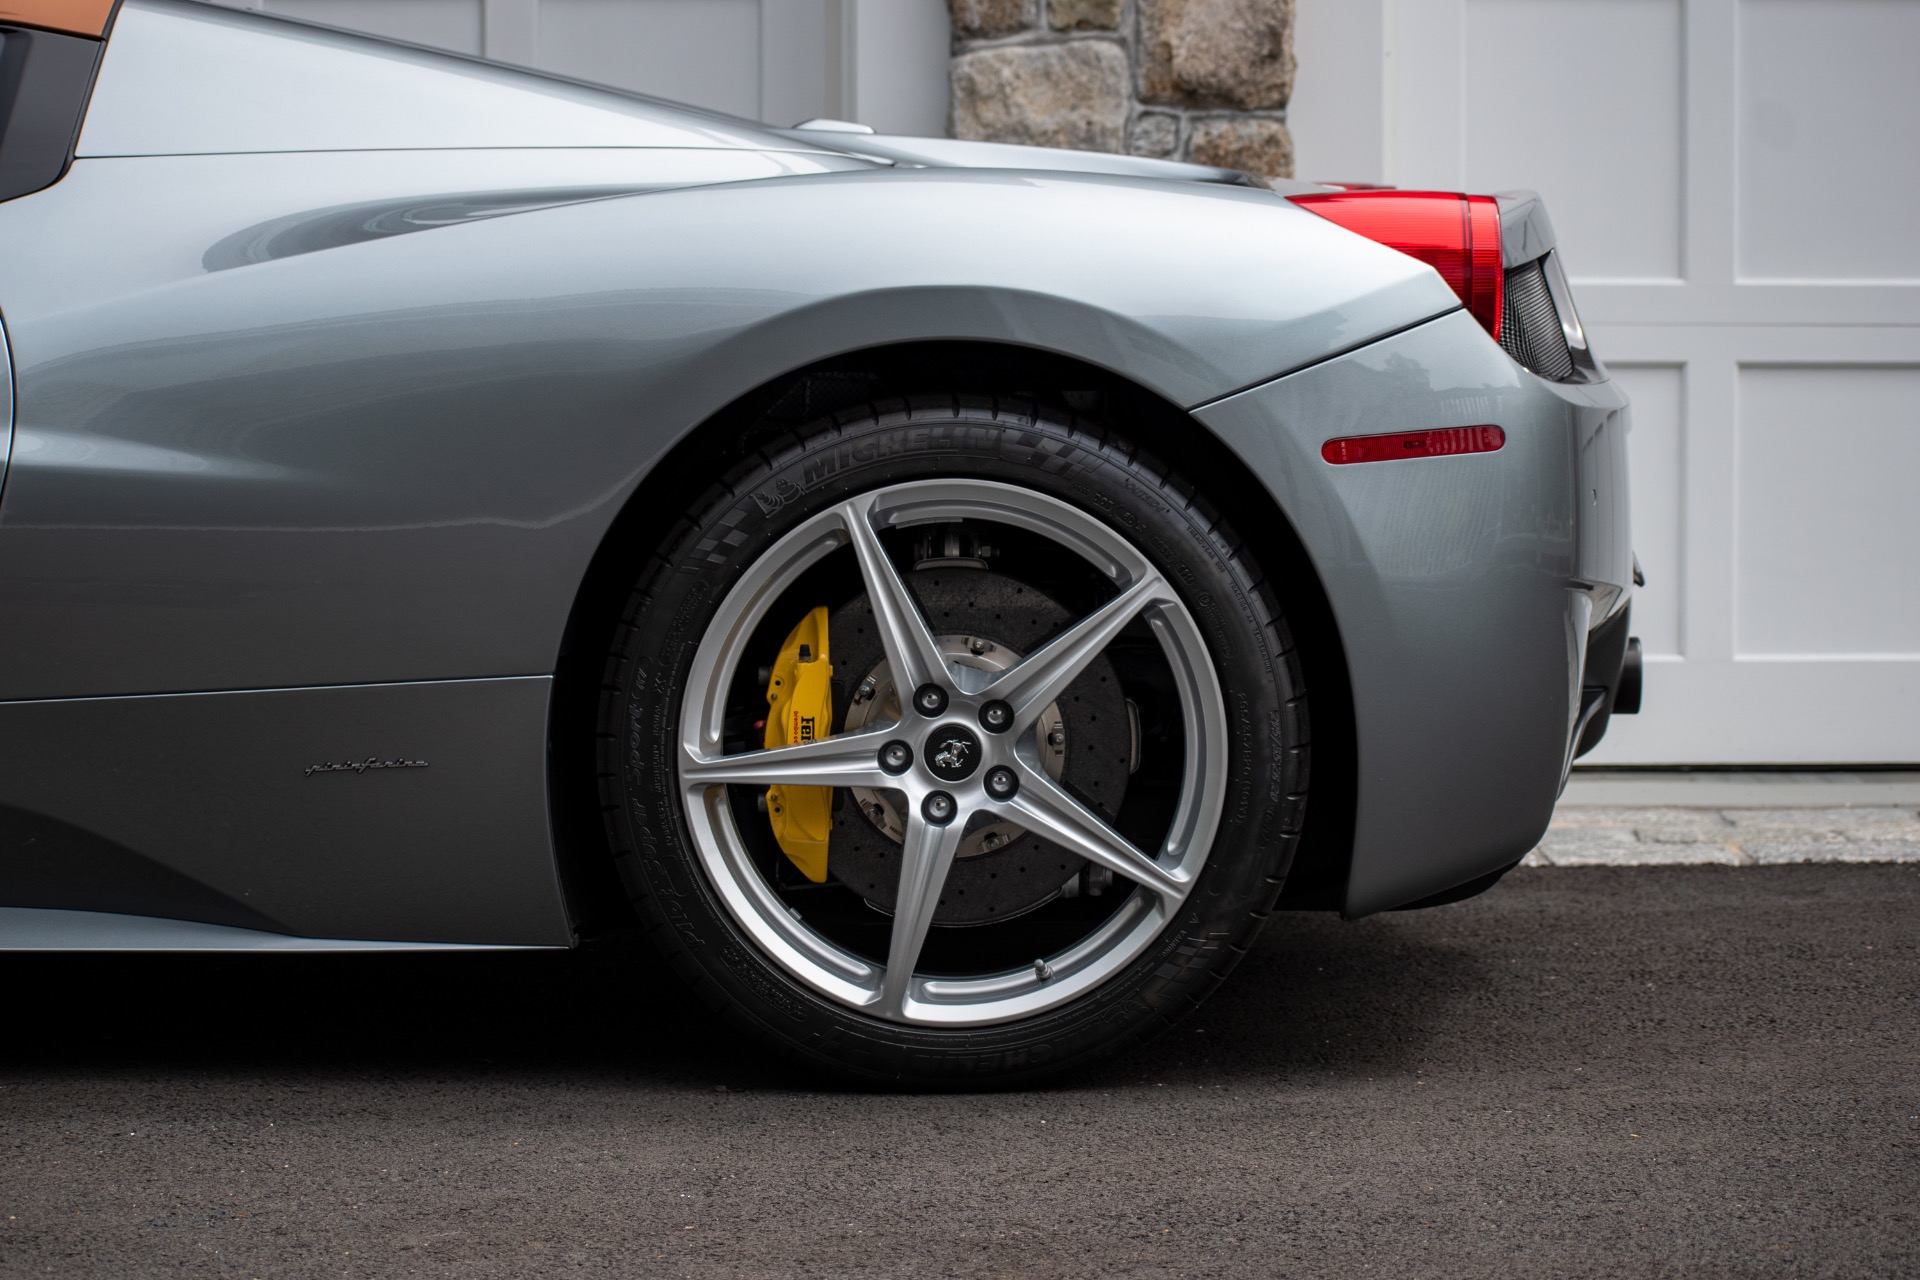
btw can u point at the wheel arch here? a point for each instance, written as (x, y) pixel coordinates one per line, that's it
(790, 400)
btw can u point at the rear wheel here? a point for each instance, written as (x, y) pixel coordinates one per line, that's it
(949, 742)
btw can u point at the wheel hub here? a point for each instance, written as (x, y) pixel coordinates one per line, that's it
(952, 752)
(999, 870)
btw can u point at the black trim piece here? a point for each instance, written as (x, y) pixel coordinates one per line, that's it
(45, 81)
(1626, 695)
(1611, 651)
(1530, 328)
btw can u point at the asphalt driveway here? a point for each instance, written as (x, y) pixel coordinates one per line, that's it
(1593, 1071)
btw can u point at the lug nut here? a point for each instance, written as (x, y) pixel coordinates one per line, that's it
(1002, 782)
(939, 808)
(996, 717)
(930, 700)
(896, 757)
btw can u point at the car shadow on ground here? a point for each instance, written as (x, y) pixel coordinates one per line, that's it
(1314, 995)
(1320, 997)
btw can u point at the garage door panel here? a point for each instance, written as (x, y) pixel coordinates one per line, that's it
(776, 60)
(1656, 459)
(1827, 548)
(1599, 135)
(704, 51)
(444, 24)
(1828, 133)
(1770, 711)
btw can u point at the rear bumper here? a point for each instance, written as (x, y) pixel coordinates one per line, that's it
(1465, 588)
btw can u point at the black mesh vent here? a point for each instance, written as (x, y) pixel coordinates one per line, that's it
(1529, 325)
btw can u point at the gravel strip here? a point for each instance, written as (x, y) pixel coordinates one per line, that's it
(1669, 836)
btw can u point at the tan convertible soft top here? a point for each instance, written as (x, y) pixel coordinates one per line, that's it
(75, 17)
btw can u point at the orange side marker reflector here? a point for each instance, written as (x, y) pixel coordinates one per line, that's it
(1437, 443)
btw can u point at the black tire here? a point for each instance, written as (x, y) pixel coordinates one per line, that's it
(857, 450)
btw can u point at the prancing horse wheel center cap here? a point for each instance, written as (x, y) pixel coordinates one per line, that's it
(952, 753)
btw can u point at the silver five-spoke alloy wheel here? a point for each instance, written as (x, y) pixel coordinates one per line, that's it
(995, 773)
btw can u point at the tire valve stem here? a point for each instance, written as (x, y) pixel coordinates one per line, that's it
(1042, 970)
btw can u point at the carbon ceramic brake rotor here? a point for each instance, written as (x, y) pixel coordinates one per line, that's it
(985, 884)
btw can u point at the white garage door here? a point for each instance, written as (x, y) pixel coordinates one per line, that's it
(1735, 184)
(782, 61)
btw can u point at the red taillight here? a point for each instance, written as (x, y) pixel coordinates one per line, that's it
(1414, 444)
(1456, 235)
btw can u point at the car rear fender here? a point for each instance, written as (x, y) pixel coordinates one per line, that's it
(492, 393)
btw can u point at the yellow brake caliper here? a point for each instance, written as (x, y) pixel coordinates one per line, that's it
(800, 709)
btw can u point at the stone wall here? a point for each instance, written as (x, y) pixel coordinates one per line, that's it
(1203, 80)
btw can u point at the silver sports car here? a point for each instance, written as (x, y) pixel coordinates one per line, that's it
(948, 594)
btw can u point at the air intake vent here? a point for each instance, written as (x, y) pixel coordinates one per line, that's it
(1530, 327)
